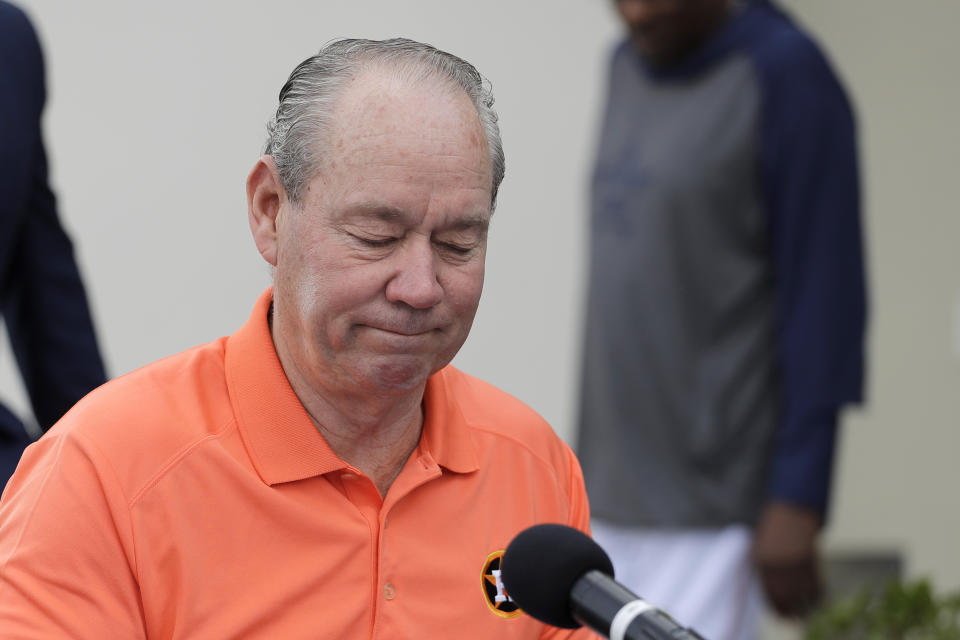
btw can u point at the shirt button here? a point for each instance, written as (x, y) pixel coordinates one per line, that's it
(389, 591)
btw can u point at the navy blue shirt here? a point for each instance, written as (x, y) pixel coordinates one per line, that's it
(726, 305)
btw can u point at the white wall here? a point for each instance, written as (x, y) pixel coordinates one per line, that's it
(157, 112)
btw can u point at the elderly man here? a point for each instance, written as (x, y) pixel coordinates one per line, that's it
(323, 472)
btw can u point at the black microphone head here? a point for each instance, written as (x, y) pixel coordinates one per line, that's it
(541, 565)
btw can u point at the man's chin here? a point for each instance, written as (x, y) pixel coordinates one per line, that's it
(655, 52)
(399, 374)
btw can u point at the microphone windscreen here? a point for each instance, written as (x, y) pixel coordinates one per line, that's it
(541, 565)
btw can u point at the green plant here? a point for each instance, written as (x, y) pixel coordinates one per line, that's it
(897, 611)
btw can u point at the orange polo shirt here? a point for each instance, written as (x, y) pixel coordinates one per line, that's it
(194, 498)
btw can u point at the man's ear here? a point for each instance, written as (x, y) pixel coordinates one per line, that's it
(265, 197)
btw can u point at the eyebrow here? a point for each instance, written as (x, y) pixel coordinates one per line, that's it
(380, 211)
(388, 213)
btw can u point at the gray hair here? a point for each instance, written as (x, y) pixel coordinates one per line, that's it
(297, 133)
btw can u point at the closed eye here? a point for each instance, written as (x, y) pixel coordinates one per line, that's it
(375, 242)
(455, 248)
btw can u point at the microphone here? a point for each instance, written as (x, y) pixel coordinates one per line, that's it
(560, 576)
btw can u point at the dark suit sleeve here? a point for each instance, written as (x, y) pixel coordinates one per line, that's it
(47, 314)
(44, 302)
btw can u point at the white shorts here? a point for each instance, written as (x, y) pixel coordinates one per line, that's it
(703, 578)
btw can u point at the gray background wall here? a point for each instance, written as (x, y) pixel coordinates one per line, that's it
(157, 112)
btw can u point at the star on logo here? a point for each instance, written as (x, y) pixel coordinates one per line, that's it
(498, 600)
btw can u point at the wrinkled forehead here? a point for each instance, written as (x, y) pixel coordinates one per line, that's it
(379, 113)
(381, 101)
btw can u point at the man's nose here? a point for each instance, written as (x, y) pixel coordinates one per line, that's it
(415, 281)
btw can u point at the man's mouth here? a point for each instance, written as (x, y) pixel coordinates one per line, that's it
(404, 331)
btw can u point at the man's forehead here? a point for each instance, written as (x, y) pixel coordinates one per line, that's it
(378, 101)
(423, 125)
(397, 146)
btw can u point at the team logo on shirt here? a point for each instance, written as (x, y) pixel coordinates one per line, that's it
(494, 592)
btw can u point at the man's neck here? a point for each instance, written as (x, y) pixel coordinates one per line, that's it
(379, 449)
(373, 433)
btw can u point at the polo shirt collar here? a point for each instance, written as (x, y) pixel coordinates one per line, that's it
(284, 444)
(446, 432)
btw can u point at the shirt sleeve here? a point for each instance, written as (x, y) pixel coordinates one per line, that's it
(67, 560)
(809, 169)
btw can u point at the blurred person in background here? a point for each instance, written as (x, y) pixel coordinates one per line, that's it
(726, 309)
(42, 296)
